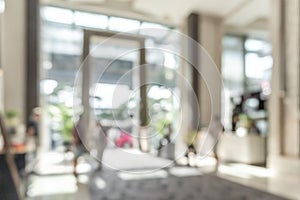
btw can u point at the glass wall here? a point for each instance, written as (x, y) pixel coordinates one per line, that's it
(258, 64)
(246, 69)
(62, 41)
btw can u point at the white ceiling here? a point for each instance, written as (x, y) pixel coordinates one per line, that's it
(240, 14)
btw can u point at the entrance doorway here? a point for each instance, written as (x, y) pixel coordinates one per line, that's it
(113, 87)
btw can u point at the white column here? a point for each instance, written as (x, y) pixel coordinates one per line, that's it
(13, 56)
(210, 34)
(284, 137)
(1, 56)
(210, 38)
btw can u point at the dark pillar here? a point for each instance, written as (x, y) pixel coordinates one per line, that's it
(299, 76)
(193, 55)
(283, 86)
(32, 55)
(143, 88)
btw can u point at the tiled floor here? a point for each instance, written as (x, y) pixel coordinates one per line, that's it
(58, 187)
(282, 180)
(171, 183)
(174, 183)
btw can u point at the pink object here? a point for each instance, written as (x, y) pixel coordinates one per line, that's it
(124, 141)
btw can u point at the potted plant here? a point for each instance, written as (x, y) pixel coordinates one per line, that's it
(12, 121)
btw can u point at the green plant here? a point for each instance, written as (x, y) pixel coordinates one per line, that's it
(10, 114)
(62, 114)
(12, 121)
(191, 137)
(67, 122)
(245, 121)
(161, 125)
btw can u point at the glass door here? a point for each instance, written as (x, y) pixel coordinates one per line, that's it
(113, 94)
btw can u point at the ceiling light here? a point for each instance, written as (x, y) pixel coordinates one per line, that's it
(2, 6)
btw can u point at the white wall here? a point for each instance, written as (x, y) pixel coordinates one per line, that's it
(292, 128)
(13, 56)
(210, 38)
(211, 35)
(1, 71)
(284, 105)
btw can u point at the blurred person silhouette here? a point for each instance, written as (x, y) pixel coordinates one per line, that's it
(32, 128)
(95, 141)
(79, 148)
(165, 140)
(236, 111)
(191, 140)
(215, 132)
(101, 142)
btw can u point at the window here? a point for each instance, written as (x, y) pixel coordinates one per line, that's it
(123, 25)
(57, 15)
(258, 63)
(91, 20)
(2, 6)
(232, 64)
(62, 38)
(246, 69)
